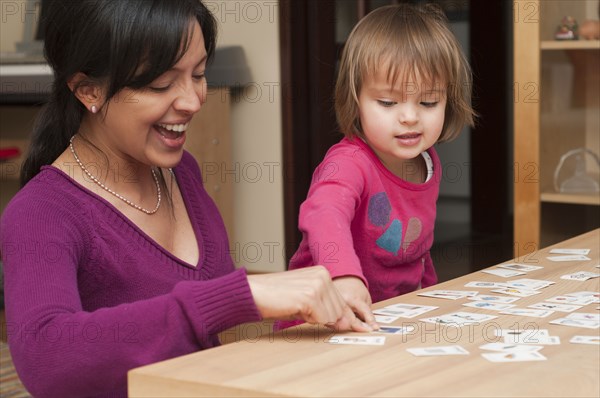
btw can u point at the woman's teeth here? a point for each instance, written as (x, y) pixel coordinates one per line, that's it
(178, 128)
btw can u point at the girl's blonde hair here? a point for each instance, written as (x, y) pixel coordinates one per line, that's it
(407, 40)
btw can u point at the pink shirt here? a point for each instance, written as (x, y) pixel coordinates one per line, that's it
(360, 219)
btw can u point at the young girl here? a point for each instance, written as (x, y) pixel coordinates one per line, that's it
(114, 254)
(403, 86)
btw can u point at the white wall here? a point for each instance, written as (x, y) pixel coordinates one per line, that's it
(256, 128)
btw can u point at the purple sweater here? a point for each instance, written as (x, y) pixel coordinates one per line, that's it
(90, 296)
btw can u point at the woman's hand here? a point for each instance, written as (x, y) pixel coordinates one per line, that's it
(308, 294)
(356, 295)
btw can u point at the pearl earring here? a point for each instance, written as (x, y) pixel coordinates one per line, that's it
(94, 109)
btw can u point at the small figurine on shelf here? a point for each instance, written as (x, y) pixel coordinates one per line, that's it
(590, 29)
(567, 30)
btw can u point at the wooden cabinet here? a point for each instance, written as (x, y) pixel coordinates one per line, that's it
(556, 110)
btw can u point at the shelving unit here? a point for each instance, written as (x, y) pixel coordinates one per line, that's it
(556, 109)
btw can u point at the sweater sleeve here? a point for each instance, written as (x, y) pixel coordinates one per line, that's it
(326, 215)
(58, 348)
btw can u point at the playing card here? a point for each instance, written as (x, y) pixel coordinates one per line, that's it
(541, 340)
(528, 284)
(585, 340)
(458, 319)
(527, 312)
(503, 347)
(357, 340)
(486, 305)
(594, 295)
(588, 324)
(583, 252)
(516, 292)
(438, 351)
(385, 318)
(520, 267)
(448, 295)
(486, 285)
(555, 307)
(404, 310)
(576, 300)
(525, 333)
(517, 356)
(584, 316)
(395, 329)
(580, 276)
(494, 299)
(570, 257)
(506, 273)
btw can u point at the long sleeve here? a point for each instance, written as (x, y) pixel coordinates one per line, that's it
(327, 214)
(86, 301)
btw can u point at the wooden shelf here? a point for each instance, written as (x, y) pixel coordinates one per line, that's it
(579, 199)
(570, 45)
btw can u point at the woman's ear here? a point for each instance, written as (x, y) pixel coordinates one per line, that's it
(87, 92)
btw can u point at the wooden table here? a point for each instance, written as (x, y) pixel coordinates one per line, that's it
(299, 362)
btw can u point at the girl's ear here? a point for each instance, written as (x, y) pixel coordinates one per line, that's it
(87, 92)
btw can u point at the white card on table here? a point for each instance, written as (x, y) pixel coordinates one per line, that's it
(409, 310)
(442, 295)
(458, 319)
(394, 329)
(506, 273)
(503, 347)
(357, 340)
(541, 340)
(585, 340)
(518, 356)
(583, 252)
(569, 257)
(404, 310)
(578, 323)
(516, 292)
(555, 307)
(486, 305)
(494, 299)
(529, 284)
(385, 318)
(527, 312)
(576, 300)
(580, 276)
(520, 267)
(594, 295)
(486, 285)
(438, 351)
(518, 333)
(584, 316)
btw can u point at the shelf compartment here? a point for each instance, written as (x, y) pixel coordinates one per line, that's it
(580, 199)
(570, 45)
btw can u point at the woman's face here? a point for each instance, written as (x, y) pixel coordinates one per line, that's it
(149, 125)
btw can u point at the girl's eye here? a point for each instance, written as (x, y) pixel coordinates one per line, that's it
(385, 103)
(198, 77)
(429, 104)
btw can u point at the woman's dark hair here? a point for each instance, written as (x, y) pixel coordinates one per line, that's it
(120, 43)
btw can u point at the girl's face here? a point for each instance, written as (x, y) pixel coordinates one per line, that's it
(402, 121)
(149, 125)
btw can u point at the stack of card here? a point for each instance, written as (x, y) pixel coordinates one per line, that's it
(511, 269)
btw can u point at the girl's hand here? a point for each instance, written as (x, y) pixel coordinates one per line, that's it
(307, 294)
(356, 295)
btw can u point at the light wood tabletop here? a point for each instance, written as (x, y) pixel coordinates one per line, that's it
(299, 362)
